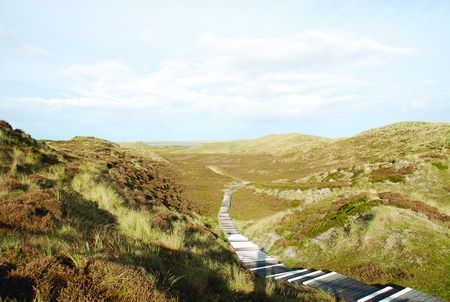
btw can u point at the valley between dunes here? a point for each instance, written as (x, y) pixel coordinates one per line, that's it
(374, 206)
(92, 220)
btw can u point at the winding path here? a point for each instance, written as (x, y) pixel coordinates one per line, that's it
(267, 266)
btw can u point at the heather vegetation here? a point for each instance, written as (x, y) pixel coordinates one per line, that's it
(375, 206)
(89, 220)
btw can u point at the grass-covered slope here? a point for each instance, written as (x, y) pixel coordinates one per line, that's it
(275, 144)
(381, 144)
(88, 220)
(201, 185)
(375, 206)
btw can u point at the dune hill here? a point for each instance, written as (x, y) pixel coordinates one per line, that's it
(379, 144)
(392, 140)
(381, 196)
(89, 220)
(275, 144)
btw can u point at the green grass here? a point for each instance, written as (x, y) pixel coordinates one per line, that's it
(440, 165)
(247, 206)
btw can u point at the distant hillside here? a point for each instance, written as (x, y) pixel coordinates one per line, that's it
(275, 144)
(391, 140)
(383, 143)
(141, 148)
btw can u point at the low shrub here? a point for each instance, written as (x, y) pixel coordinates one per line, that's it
(391, 174)
(401, 201)
(34, 210)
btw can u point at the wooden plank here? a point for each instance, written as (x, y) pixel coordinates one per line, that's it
(396, 295)
(330, 279)
(418, 296)
(278, 269)
(296, 278)
(377, 293)
(353, 289)
(231, 232)
(246, 249)
(252, 264)
(255, 254)
(327, 275)
(429, 298)
(347, 288)
(310, 277)
(412, 295)
(258, 257)
(243, 244)
(272, 270)
(385, 295)
(357, 292)
(237, 237)
(339, 284)
(267, 266)
(286, 274)
(249, 259)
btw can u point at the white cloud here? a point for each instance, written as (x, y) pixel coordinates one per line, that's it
(149, 34)
(420, 103)
(9, 41)
(235, 77)
(308, 48)
(428, 82)
(34, 51)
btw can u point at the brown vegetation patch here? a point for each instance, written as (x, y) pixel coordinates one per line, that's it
(401, 201)
(53, 279)
(4, 125)
(344, 200)
(14, 286)
(434, 155)
(139, 180)
(391, 174)
(123, 283)
(163, 218)
(35, 211)
(145, 184)
(371, 271)
(5, 161)
(10, 183)
(42, 182)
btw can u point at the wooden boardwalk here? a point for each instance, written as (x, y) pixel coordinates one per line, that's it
(266, 266)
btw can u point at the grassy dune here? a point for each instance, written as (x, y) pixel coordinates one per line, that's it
(275, 144)
(89, 220)
(375, 206)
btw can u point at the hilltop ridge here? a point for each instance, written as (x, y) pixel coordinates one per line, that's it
(411, 136)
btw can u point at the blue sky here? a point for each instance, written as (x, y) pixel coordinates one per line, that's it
(189, 70)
